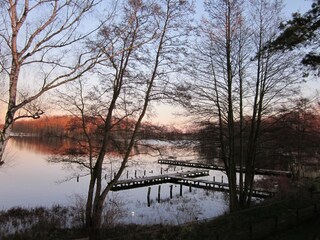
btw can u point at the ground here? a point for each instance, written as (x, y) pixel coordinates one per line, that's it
(309, 230)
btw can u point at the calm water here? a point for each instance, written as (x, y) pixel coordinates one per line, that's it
(28, 179)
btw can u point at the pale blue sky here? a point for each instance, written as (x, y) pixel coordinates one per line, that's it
(290, 6)
(297, 5)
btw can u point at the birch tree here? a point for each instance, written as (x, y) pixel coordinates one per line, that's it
(40, 48)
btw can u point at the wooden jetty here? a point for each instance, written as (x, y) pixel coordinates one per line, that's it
(219, 186)
(220, 168)
(159, 179)
(184, 178)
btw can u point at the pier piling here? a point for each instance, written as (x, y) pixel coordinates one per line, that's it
(159, 191)
(148, 196)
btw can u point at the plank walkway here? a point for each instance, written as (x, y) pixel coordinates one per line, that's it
(159, 179)
(219, 186)
(220, 168)
(184, 178)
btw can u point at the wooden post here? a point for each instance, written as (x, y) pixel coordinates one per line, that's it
(214, 178)
(159, 190)
(148, 196)
(174, 168)
(161, 171)
(190, 190)
(144, 172)
(180, 190)
(105, 177)
(171, 186)
(135, 173)
(114, 174)
(127, 174)
(78, 178)
(221, 179)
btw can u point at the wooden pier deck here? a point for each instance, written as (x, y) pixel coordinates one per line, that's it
(220, 168)
(184, 178)
(159, 179)
(219, 186)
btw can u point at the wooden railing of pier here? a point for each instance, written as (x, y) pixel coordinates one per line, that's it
(220, 168)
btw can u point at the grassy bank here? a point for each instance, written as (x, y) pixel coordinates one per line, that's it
(299, 212)
(260, 220)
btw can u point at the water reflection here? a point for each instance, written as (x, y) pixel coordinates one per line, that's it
(33, 181)
(42, 145)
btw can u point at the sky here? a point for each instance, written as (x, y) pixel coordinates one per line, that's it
(290, 6)
(165, 114)
(297, 5)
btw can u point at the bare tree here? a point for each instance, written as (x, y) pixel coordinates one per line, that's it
(235, 83)
(40, 47)
(139, 47)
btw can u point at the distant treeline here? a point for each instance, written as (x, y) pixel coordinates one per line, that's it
(73, 127)
(44, 126)
(287, 141)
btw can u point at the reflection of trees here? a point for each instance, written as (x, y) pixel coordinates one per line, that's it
(43, 145)
(54, 146)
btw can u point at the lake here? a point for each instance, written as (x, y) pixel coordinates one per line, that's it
(28, 179)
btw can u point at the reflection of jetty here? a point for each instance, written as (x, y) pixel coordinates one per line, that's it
(220, 168)
(153, 180)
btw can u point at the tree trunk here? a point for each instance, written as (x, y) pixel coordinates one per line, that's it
(96, 220)
(89, 203)
(232, 176)
(13, 84)
(3, 142)
(233, 193)
(7, 128)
